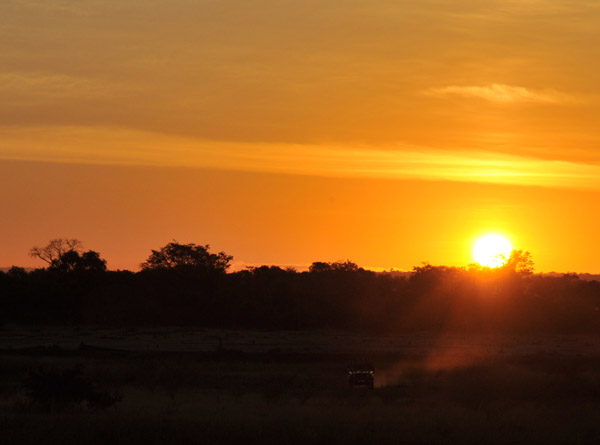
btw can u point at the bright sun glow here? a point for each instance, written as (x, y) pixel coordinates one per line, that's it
(492, 250)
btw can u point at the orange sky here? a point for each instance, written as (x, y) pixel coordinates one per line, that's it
(387, 132)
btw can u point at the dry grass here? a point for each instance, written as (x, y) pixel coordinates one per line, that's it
(198, 399)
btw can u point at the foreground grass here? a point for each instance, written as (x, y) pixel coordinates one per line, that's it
(183, 399)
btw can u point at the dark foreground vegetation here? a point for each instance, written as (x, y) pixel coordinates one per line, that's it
(186, 284)
(152, 398)
(542, 385)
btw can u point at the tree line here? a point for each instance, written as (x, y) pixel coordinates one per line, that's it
(187, 284)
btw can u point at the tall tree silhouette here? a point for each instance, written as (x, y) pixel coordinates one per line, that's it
(56, 248)
(345, 266)
(187, 256)
(66, 255)
(520, 262)
(73, 261)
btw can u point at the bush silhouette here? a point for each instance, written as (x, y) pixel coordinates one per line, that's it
(55, 389)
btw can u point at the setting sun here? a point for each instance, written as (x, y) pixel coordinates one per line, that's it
(492, 250)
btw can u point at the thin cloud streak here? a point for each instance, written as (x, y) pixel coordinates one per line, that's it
(500, 93)
(126, 147)
(40, 87)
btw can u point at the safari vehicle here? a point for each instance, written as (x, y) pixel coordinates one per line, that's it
(361, 374)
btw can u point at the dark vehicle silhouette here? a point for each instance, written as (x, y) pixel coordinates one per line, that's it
(361, 375)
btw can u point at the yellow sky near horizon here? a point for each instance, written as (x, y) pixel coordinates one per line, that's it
(289, 220)
(491, 106)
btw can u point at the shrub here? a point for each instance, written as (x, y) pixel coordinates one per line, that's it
(55, 389)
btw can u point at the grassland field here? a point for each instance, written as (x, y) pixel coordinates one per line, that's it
(180, 385)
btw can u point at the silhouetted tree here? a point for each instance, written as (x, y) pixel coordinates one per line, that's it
(52, 252)
(187, 256)
(66, 255)
(66, 262)
(187, 284)
(91, 260)
(347, 266)
(17, 273)
(72, 261)
(520, 262)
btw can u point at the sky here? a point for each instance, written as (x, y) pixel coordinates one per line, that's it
(387, 132)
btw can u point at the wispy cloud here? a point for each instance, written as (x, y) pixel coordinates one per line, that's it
(59, 6)
(102, 145)
(501, 93)
(54, 86)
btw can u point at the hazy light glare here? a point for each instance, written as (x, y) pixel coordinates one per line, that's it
(492, 250)
(116, 146)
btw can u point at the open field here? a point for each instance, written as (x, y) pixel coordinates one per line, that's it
(291, 387)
